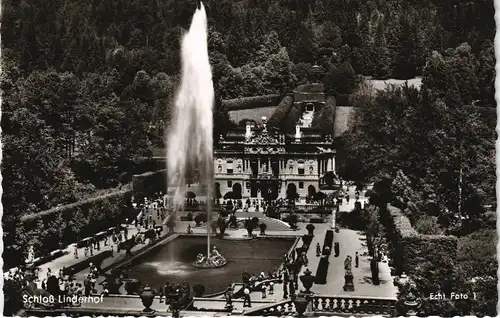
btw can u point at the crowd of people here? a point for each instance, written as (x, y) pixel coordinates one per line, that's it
(63, 281)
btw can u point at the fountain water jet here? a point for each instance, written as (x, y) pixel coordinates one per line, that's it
(190, 140)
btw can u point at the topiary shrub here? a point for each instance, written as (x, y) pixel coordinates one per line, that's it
(200, 218)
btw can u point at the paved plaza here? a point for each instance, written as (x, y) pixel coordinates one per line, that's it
(350, 242)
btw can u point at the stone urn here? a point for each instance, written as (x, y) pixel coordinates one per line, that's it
(147, 297)
(310, 229)
(349, 278)
(307, 280)
(411, 304)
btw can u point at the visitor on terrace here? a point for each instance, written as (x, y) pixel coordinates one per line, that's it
(105, 291)
(247, 302)
(304, 259)
(271, 288)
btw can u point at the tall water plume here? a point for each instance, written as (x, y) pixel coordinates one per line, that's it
(190, 140)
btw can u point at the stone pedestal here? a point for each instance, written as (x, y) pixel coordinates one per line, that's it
(349, 285)
(334, 214)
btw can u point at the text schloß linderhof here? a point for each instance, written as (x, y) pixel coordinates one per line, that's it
(62, 299)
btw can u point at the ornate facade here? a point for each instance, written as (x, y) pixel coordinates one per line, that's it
(256, 162)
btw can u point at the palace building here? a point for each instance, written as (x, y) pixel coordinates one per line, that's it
(259, 162)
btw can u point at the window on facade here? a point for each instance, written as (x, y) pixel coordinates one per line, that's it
(230, 184)
(229, 170)
(301, 185)
(301, 168)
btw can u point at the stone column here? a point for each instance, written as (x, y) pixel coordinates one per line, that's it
(333, 163)
(330, 165)
(258, 165)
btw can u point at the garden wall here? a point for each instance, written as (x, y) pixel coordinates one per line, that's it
(58, 227)
(146, 184)
(409, 248)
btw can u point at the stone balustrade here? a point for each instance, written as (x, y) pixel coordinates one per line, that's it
(282, 308)
(332, 304)
(354, 304)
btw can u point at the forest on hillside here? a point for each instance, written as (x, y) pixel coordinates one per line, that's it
(78, 76)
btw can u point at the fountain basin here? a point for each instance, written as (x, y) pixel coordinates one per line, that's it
(173, 261)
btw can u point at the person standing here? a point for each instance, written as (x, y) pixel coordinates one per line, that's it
(356, 260)
(247, 302)
(271, 288)
(318, 250)
(160, 293)
(75, 253)
(86, 285)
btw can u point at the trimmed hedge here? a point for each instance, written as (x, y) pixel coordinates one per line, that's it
(83, 264)
(324, 263)
(328, 241)
(45, 259)
(311, 88)
(146, 184)
(322, 271)
(281, 112)
(288, 124)
(251, 102)
(52, 229)
(410, 248)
